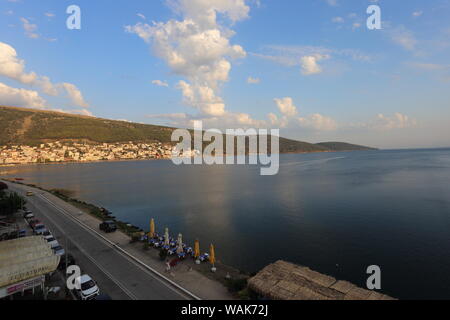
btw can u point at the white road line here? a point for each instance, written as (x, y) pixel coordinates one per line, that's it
(111, 277)
(161, 278)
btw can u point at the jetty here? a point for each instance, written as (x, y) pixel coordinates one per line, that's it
(286, 281)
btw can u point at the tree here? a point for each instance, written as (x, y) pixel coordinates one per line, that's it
(10, 203)
(3, 186)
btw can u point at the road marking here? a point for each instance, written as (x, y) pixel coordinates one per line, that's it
(111, 277)
(134, 260)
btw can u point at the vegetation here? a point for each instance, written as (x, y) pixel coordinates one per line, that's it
(10, 202)
(341, 146)
(3, 186)
(33, 127)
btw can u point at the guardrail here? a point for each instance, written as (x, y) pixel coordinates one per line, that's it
(118, 248)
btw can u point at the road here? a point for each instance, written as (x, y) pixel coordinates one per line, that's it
(116, 274)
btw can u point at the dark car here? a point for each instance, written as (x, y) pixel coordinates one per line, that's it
(108, 226)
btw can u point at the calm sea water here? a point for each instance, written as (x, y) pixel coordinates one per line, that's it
(336, 213)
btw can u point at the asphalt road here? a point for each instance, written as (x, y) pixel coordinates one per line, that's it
(116, 274)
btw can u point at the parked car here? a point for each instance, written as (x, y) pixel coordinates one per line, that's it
(39, 229)
(58, 250)
(22, 233)
(29, 216)
(33, 222)
(29, 194)
(62, 261)
(51, 241)
(108, 226)
(88, 288)
(25, 212)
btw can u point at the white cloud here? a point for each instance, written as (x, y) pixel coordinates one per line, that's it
(310, 66)
(286, 106)
(74, 94)
(50, 15)
(197, 48)
(30, 28)
(14, 68)
(290, 118)
(140, 15)
(20, 97)
(396, 121)
(251, 80)
(417, 13)
(318, 122)
(160, 83)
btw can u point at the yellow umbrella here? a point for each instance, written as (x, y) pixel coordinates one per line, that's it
(196, 249)
(212, 256)
(152, 228)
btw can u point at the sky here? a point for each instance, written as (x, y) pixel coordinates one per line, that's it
(311, 68)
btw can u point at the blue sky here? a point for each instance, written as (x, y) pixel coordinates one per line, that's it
(311, 68)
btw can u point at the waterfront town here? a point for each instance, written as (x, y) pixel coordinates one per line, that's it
(82, 152)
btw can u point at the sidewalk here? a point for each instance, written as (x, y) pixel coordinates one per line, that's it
(183, 274)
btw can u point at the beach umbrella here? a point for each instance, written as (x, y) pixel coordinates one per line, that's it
(152, 228)
(166, 237)
(196, 249)
(212, 257)
(180, 243)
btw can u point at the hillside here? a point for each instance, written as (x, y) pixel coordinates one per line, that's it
(32, 127)
(342, 146)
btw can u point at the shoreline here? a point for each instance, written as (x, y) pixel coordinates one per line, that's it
(8, 165)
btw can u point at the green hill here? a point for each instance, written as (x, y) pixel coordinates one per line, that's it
(32, 127)
(342, 146)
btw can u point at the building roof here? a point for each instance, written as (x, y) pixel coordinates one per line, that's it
(25, 258)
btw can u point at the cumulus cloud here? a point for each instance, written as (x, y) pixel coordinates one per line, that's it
(198, 48)
(310, 66)
(290, 118)
(20, 97)
(397, 121)
(286, 106)
(12, 67)
(318, 122)
(74, 94)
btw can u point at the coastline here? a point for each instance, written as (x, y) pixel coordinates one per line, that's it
(150, 159)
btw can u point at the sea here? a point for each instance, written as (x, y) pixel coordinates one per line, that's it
(336, 213)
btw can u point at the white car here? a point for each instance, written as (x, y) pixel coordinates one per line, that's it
(51, 241)
(58, 250)
(29, 216)
(87, 288)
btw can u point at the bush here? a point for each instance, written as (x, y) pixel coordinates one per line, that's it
(3, 186)
(11, 203)
(135, 237)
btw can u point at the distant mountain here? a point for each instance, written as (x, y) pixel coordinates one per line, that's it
(32, 127)
(342, 146)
